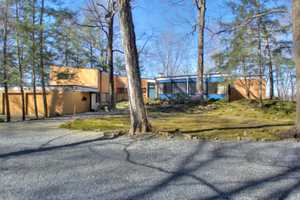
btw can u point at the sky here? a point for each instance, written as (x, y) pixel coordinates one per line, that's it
(154, 17)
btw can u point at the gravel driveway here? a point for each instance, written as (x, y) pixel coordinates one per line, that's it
(40, 161)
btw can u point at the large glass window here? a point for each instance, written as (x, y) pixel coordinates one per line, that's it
(192, 87)
(179, 88)
(212, 88)
(216, 88)
(166, 88)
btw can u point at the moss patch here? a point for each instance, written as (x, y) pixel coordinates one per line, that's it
(225, 121)
(98, 124)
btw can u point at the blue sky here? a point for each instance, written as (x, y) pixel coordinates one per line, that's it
(153, 17)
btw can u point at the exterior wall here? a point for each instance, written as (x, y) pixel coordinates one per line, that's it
(1, 104)
(14, 102)
(121, 86)
(93, 78)
(59, 103)
(238, 90)
(74, 76)
(67, 103)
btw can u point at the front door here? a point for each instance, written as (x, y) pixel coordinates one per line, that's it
(94, 104)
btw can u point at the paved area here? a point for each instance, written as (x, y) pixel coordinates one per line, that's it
(40, 161)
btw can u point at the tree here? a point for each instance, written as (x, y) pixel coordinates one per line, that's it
(296, 36)
(253, 35)
(20, 58)
(104, 11)
(5, 60)
(33, 56)
(138, 115)
(201, 7)
(42, 67)
(170, 52)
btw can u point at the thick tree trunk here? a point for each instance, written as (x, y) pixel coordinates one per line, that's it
(296, 29)
(20, 62)
(111, 85)
(33, 61)
(42, 66)
(201, 5)
(139, 119)
(5, 67)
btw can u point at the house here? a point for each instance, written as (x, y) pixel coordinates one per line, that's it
(73, 90)
(70, 90)
(216, 87)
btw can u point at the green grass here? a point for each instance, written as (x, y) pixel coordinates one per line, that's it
(237, 120)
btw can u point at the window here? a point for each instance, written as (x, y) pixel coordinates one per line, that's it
(216, 88)
(65, 76)
(166, 88)
(179, 88)
(84, 99)
(212, 88)
(192, 87)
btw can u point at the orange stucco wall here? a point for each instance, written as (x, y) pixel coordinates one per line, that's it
(239, 91)
(74, 76)
(93, 78)
(15, 102)
(59, 103)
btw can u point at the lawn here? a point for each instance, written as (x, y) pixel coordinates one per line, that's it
(239, 120)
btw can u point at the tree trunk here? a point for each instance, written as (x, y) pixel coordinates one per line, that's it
(201, 5)
(66, 56)
(33, 60)
(110, 23)
(91, 55)
(246, 79)
(20, 62)
(278, 81)
(260, 63)
(42, 66)
(271, 76)
(139, 119)
(296, 29)
(5, 67)
(292, 86)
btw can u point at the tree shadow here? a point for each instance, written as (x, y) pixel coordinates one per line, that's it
(181, 171)
(188, 168)
(57, 147)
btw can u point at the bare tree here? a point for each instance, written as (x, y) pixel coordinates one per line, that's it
(201, 7)
(170, 52)
(104, 13)
(138, 115)
(296, 30)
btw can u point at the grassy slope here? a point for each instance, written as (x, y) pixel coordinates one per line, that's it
(226, 121)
